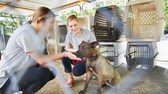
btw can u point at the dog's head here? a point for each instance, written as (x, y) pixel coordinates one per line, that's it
(87, 49)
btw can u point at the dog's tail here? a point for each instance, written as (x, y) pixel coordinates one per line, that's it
(114, 66)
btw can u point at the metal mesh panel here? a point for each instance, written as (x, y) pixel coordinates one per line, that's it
(110, 52)
(140, 53)
(63, 32)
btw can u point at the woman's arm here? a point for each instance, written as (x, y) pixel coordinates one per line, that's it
(69, 48)
(43, 59)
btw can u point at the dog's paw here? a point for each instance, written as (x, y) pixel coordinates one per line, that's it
(81, 92)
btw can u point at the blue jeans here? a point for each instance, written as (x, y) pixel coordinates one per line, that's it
(78, 69)
(32, 80)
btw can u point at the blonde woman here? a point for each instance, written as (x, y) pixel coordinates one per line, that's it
(73, 38)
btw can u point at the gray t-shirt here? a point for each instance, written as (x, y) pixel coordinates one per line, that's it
(74, 40)
(15, 57)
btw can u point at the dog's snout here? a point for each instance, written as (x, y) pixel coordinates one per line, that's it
(76, 53)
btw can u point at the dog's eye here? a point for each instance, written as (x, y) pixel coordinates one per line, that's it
(81, 46)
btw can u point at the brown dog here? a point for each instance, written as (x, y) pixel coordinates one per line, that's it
(96, 64)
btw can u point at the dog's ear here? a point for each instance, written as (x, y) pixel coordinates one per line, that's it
(82, 42)
(94, 44)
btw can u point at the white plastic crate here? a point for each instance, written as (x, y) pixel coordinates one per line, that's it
(144, 20)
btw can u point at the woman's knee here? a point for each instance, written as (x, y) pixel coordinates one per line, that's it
(67, 64)
(78, 70)
(76, 73)
(45, 74)
(65, 59)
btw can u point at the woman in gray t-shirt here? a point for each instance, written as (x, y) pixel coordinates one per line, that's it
(23, 66)
(73, 38)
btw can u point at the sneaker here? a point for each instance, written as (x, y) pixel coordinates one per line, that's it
(85, 76)
(69, 83)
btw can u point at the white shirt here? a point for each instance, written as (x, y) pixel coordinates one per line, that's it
(15, 57)
(74, 40)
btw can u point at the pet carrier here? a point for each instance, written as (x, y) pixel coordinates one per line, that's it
(142, 53)
(144, 20)
(62, 31)
(108, 24)
(144, 25)
(108, 28)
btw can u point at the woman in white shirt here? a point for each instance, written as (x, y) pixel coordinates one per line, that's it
(23, 66)
(73, 38)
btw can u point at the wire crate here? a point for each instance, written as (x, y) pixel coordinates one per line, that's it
(142, 53)
(110, 52)
(62, 33)
(144, 20)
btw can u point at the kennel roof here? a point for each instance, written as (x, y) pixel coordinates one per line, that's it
(27, 7)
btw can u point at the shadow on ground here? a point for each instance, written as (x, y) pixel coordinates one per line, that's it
(138, 81)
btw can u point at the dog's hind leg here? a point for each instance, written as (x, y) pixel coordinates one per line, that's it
(116, 79)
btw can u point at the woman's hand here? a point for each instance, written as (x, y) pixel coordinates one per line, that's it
(71, 50)
(71, 56)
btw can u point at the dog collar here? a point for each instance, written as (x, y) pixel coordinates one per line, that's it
(93, 57)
